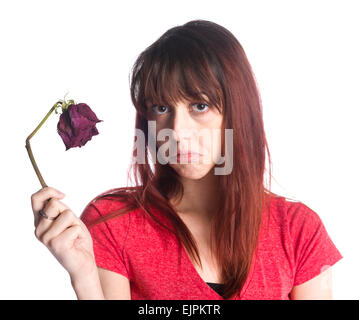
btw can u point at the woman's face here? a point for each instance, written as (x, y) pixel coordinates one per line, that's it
(195, 130)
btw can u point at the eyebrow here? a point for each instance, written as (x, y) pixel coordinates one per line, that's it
(202, 94)
(148, 103)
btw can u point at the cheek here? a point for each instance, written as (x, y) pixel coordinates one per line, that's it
(216, 146)
(211, 146)
(217, 138)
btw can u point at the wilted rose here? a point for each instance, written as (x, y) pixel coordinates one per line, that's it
(77, 125)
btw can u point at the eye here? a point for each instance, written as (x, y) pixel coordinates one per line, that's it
(202, 107)
(160, 108)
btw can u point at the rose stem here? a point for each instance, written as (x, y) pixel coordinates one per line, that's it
(28, 147)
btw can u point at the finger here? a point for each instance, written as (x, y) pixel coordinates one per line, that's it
(39, 198)
(84, 227)
(65, 239)
(65, 220)
(52, 209)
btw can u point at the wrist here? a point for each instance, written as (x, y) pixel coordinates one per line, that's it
(87, 277)
(87, 287)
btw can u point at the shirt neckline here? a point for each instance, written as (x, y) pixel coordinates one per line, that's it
(207, 287)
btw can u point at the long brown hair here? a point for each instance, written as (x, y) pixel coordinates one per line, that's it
(185, 62)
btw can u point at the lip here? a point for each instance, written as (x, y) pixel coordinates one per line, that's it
(188, 156)
(188, 153)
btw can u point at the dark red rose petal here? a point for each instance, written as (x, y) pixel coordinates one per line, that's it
(77, 125)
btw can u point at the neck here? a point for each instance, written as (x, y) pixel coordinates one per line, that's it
(200, 197)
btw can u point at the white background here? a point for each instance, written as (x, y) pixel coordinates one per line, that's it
(305, 58)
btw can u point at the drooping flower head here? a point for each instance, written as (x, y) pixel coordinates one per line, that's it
(77, 124)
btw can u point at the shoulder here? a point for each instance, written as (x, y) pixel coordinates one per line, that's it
(115, 210)
(293, 222)
(111, 208)
(303, 229)
(293, 214)
(111, 220)
(101, 208)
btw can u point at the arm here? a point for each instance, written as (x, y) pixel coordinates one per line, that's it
(112, 275)
(115, 286)
(104, 285)
(88, 288)
(69, 240)
(318, 288)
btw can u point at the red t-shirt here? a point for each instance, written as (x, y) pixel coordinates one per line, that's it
(293, 248)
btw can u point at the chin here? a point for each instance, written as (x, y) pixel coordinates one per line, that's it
(192, 171)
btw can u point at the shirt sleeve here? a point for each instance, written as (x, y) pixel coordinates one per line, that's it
(108, 238)
(314, 251)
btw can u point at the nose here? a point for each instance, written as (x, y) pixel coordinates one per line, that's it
(182, 126)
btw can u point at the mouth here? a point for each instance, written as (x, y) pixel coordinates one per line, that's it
(187, 156)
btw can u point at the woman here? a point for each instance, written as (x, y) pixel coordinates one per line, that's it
(198, 226)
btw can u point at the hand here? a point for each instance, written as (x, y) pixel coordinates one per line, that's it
(66, 237)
